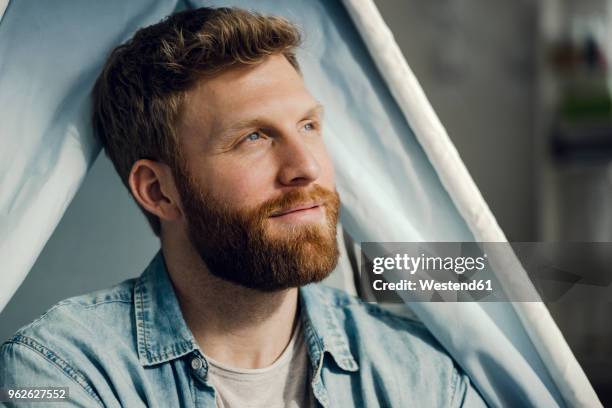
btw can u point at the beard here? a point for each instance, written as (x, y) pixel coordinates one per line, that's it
(241, 246)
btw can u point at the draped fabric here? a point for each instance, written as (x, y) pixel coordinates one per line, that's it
(398, 174)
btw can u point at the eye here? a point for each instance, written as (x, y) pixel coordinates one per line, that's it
(253, 136)
(309, 126)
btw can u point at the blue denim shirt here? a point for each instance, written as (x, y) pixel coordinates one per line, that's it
(129, 346)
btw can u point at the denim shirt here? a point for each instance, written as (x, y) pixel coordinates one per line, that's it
(129, 346)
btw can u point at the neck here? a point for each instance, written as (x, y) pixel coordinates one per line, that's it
(233, 325)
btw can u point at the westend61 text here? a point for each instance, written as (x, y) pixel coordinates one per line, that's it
(430, 284)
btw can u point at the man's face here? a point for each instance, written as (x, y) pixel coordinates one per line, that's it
(257, 184)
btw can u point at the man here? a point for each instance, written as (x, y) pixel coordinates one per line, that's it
(209, 124)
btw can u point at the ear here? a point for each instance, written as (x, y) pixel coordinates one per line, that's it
(153, 187)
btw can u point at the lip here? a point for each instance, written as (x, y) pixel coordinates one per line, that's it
(301, 207)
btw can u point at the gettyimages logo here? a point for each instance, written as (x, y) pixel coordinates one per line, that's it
(412, 264)
(486, 272)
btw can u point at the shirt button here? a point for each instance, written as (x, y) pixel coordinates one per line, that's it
(196, 363)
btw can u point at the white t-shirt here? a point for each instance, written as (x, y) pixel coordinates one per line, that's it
(286, 383)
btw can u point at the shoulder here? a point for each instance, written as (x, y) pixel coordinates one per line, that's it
(381, 326)
(397, 322)
(76, 332)
(396, 347)
(85, 313)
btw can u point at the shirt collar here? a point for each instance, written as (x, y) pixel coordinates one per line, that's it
(161, 332)
(321, 327)
(163, 335)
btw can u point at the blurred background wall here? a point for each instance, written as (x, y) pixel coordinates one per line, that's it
(522, 87)
(475, 61)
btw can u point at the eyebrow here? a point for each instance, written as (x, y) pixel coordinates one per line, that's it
(317, 109)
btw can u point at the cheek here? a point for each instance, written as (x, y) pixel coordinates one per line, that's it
(240, 184)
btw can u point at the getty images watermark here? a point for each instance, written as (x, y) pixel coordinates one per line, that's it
(398, 272)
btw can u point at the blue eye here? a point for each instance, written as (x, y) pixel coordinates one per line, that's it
(253, 136)
(309, 126)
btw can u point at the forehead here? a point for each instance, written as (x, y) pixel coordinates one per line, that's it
(270, 88)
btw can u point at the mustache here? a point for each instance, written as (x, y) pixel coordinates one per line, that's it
(294, 198)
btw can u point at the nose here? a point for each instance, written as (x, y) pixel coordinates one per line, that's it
(299, 166)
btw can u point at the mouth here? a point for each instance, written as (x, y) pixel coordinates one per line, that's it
(297, 209)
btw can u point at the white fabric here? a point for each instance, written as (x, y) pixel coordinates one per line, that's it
(399, 176)
(3, 6)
